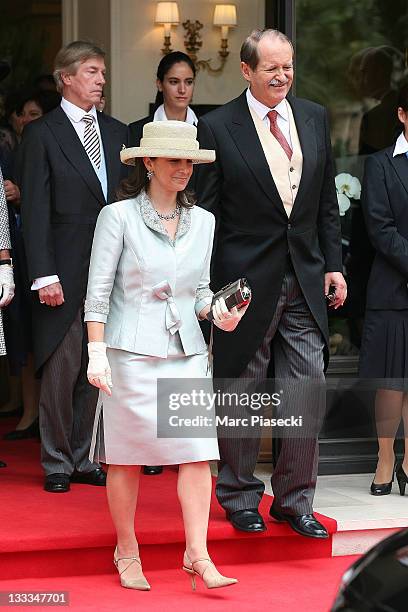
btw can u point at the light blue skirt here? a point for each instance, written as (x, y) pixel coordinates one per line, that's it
(125, 428)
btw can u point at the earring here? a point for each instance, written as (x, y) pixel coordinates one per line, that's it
(150, 174)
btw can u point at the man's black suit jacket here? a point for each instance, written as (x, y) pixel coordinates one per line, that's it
(254, 233)
(384, 200)
(61, 199)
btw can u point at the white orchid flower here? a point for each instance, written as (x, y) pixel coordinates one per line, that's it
(344, 203)
(348, 185)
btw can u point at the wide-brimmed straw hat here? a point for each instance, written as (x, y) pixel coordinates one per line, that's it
(174, 139)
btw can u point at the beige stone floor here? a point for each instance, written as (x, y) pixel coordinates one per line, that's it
(346, 498)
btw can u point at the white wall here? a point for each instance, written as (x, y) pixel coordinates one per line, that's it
(136, 50)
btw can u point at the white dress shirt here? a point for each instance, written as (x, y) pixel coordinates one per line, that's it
(75, 114)
(401, 146)
(262, 111)
(160, 115)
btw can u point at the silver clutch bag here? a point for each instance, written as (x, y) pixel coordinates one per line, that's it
(236, 294)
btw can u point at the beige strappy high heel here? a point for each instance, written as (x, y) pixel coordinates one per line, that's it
(211, 582)
(141, 583)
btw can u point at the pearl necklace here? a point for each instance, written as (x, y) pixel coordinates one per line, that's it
(171, 215)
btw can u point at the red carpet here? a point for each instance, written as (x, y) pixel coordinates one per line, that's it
(70, 534)
(290, 586)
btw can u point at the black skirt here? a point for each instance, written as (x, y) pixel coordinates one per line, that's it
(384, 349)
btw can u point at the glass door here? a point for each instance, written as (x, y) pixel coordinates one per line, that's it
(352, 57)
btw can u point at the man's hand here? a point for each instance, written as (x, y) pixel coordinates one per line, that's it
(12, 191)
(51, 295)
(335, 279)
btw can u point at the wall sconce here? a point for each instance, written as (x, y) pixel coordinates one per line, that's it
(225, 16)
(167, 14)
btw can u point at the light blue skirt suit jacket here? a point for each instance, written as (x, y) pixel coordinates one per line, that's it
(148, 291)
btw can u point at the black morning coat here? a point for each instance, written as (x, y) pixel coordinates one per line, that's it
(61, 198)
(254, 233)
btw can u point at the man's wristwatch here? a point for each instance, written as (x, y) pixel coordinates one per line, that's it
(6, 262)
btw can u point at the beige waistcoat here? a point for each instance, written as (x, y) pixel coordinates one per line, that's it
(285, 173)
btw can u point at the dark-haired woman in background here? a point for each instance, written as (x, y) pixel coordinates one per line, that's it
(175, 86)
(384, 350)
(17, 321)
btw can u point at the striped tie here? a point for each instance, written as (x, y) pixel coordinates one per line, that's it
(91, 141)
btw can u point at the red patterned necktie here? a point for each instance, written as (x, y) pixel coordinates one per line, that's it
(275, 131)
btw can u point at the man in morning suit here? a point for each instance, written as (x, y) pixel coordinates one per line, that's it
(273, 193)
(70, 169)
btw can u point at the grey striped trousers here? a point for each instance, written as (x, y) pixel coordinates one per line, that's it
(67, 405)
(295, 344)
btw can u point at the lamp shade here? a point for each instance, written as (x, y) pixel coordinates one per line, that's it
(167, 12)
(225, 15)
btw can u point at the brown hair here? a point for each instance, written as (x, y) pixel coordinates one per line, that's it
(249, 49)
(70, 57)
(137, 181)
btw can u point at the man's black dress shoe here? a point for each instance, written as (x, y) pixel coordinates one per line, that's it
(305, 524)
(96, 477)
(247, 520)
(56, 483)
(33, 431)
(152, 470)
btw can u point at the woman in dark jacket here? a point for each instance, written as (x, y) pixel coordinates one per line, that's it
(384, 351)
(30, 107)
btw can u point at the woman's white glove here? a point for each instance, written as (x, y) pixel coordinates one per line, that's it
(6, 285)
(225, 319)
(99, 372)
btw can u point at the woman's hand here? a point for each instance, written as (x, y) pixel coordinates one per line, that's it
(99, 372)
(6, 285)
(225, 319)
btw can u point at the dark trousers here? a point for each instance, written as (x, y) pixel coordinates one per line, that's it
(296, 343)
(67, 405)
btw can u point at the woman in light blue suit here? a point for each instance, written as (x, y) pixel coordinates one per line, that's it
(148, 287)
